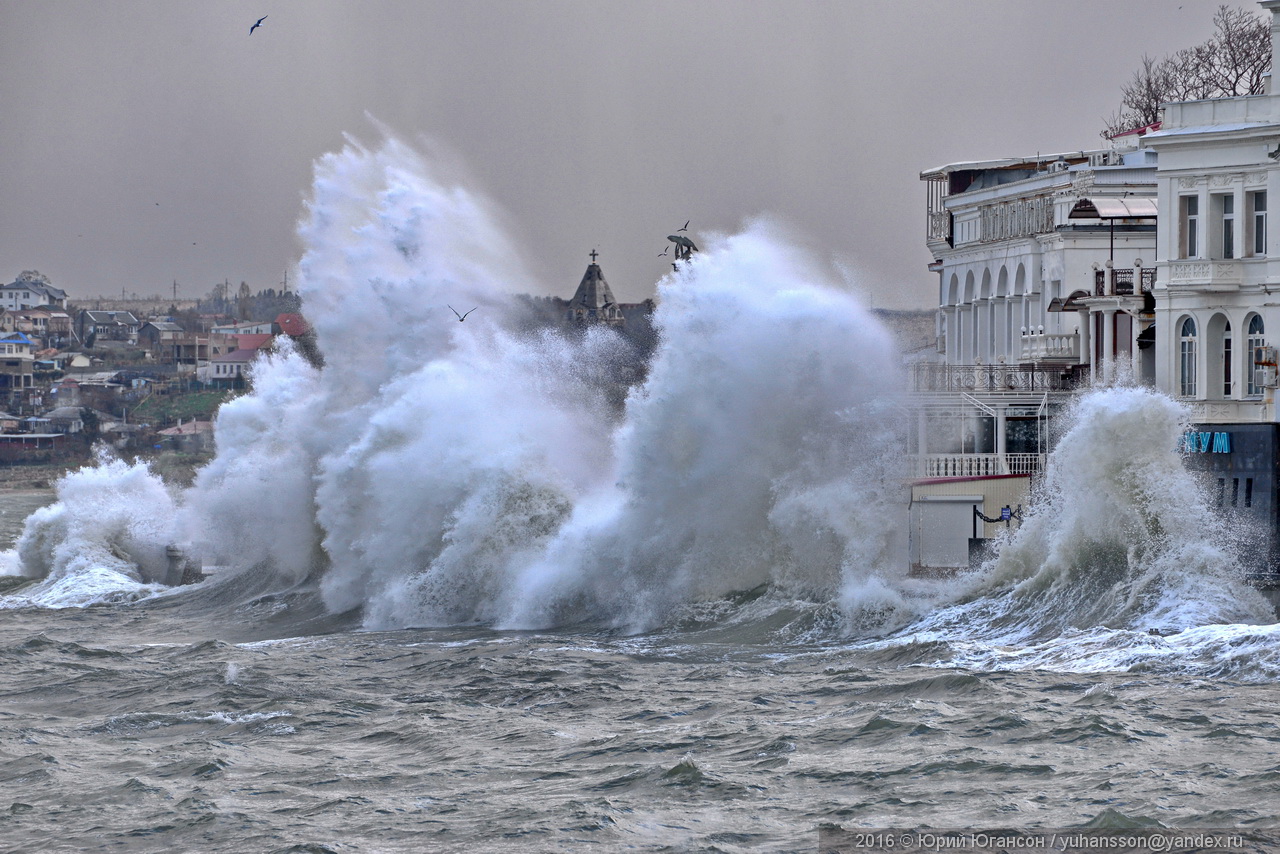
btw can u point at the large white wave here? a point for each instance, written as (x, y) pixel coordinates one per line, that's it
(436, 472)
(1121, 540)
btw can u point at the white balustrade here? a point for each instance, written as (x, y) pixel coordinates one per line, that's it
(978, 465)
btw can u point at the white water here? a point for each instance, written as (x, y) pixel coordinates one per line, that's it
(443, 473)
(440, 473)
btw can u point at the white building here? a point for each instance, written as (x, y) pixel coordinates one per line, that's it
(29, 293)
(1160, 257)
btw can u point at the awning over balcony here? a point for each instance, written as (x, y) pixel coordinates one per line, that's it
(1071, 303)
(1109, 207)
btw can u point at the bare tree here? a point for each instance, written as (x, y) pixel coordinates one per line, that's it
(1233, 62)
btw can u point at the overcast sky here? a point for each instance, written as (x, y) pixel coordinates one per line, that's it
(143, 142)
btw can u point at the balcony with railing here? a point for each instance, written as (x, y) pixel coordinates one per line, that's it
(977, 465)
(1051, 348)
(1119, 281)
(992, 379)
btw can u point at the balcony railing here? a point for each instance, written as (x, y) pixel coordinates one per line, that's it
(1040, 348)
(1121, 281)
(994, 379)
(978, 465)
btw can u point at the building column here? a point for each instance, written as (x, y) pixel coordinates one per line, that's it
(1108, 343)
(1086, 339)
(1002, 423)
(1135, 362)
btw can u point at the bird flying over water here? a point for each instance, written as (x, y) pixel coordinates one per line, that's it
(685, 227)
(663, 252)
(461, 317)
(257, 24)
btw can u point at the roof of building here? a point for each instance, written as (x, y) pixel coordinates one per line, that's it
(293, 325)
(1110, 207)
(1223, 128)
(593, 291)
(253, 340)
(1039, 161)
(17, 338)
(38, 287)
(123, 318)
(165, 326)
(240, 355)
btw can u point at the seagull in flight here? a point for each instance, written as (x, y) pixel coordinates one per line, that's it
(686, 226)
(258, 24)
(461, 317)
(663, 252)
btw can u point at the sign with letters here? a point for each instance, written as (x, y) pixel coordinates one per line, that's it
(1195, 442)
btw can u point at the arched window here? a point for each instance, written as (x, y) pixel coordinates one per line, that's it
(1187, 352)
(1256, 341)
(1226, 360)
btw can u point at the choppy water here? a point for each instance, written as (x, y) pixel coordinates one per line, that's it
(456, 740)
(463, 602)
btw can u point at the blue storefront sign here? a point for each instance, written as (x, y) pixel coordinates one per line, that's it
(1195, 442)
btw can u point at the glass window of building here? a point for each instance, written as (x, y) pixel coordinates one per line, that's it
(1256, 342)
(1190, 216)
(1258, 205)
(1187, 353)
(1226, 360)
(1227, 216)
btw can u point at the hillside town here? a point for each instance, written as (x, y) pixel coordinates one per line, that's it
(146, 378)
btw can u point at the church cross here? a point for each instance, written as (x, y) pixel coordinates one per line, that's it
(593, 256)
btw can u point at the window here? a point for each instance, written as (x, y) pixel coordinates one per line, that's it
(1258, 206)
(1187, 352)
(1227, 216)
(1226, 360)
(1255, 343)
(1190, 226)
(1248, 492)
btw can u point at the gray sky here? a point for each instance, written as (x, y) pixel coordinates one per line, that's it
(592, 124)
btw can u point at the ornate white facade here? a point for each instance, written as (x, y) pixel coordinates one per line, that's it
(1218, 253)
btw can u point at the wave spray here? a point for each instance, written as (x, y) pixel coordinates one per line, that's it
(438, 473)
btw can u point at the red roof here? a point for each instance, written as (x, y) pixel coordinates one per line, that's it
(253, 340)
(1142, 131)
(293, 325)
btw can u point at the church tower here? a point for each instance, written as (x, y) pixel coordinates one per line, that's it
(594, 302)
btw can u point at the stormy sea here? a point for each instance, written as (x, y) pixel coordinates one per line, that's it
(460, 596)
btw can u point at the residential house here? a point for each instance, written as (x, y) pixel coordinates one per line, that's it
(107, 328)
(160, 339)
(31, 293)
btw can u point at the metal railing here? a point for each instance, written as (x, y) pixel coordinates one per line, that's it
(1121, 281)
(995, 379)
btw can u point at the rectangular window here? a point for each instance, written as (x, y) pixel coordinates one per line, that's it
(1248, 492)
(1222, 489)
(1190, 226)
(1258, 204)
(1227, 211)
(1235, 490)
